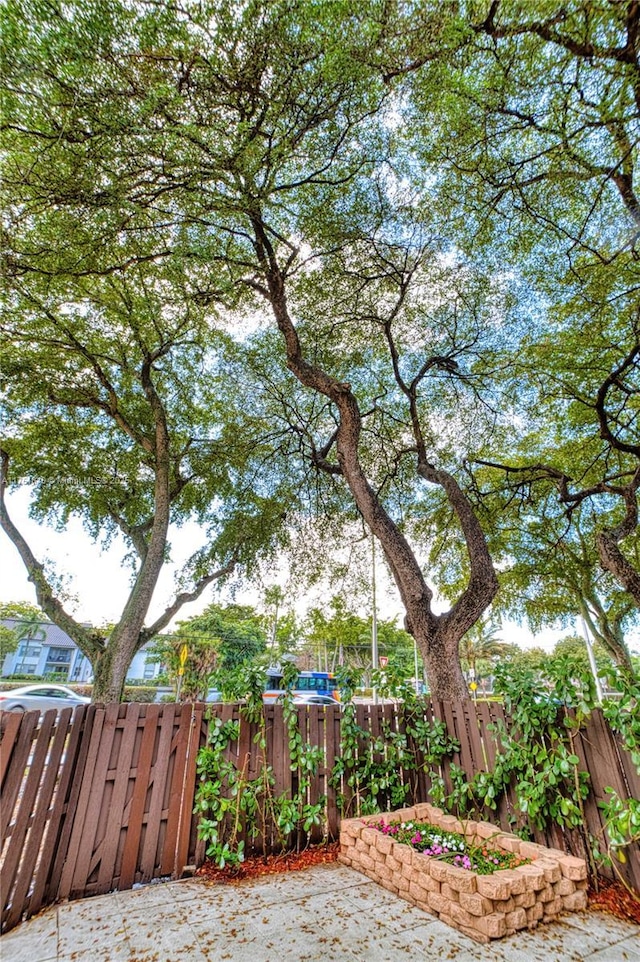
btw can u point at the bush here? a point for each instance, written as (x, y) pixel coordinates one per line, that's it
(139, 693)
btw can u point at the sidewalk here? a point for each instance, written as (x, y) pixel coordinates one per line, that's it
(329, 913)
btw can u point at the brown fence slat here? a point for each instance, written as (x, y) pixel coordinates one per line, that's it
(98, 810)
(162, 760)
(26, 805)
(179, 749)
(30, 821)
(10, 724)
(42, 845)
(13, 782)
(478, 758)
(186, 826)
(65, 807)
(82, 804)
(143, 759)
(110, 843)
(332, 736)
(318, 716)
(487, 739)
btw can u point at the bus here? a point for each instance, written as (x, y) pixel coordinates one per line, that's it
(307, 683)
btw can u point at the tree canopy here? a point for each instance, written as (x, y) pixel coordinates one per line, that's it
(216, 642)
(374, 257)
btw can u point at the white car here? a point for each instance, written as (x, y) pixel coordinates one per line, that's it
(40, 698)
(312, 698)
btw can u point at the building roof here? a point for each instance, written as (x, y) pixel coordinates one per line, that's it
(53, 635)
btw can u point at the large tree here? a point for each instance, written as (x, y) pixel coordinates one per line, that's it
(535, 134)
(231, 137)
(120, 408)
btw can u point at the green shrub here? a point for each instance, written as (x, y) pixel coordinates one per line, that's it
(139, 693)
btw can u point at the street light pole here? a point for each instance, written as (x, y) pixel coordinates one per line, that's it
(592, 660)
(374, 619)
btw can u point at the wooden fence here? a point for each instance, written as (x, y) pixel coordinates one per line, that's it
(103, 798)
(94, 801)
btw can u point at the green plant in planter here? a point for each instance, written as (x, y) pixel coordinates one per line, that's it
(450, 847)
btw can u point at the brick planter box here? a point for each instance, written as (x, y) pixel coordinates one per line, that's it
(484, 907)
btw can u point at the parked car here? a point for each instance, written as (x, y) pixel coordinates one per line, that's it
(40, 698)
(310, 699)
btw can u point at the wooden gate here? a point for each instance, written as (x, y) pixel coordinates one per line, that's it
(94, 799)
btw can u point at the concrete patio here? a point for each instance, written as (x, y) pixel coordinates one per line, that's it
(329, 913)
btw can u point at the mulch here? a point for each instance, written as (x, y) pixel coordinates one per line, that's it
(257, 865)
(611, 897)
(614, 898)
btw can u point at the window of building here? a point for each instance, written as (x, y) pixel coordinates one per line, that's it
(30, 649)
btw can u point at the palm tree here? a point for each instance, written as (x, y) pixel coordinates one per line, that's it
(481, 643)
(28, 629)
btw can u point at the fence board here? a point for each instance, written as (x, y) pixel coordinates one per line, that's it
(160, 767)
(21, 750)
(10, 723)
(47, 814)
(82, 804)
(462, 734)
(179, 748)
(143, 759)
(316, 723)
(97, 809)
(14, 858)
(332, 750)
(281, 758)
(69, 791)
(186, 829)
(476, 746)
(110, 844)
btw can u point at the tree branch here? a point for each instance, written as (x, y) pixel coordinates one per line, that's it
(184, 597)
(88, 642)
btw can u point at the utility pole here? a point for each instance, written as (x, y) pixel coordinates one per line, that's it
(374, 618)
(592, 660)
(274, 631)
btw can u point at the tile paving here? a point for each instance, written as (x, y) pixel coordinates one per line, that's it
(329, 913)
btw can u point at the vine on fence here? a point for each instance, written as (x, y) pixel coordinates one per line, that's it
(233, 805)
(536, 755)
(378, 769)
(622, 817)
(372, 773)
(537, 759)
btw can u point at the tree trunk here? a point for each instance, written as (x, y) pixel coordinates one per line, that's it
(437, 636)
(110, 673)
(446, 680)
(613, 561)
(609, 636)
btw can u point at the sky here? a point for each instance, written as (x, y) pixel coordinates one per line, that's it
(98, 580)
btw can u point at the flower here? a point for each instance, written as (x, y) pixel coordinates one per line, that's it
(449, 846)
